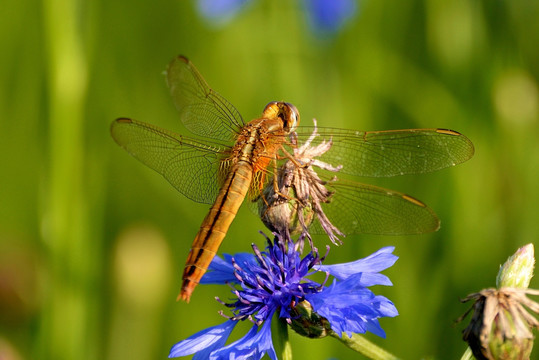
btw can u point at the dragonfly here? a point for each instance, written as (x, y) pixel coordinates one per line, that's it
(229, 159)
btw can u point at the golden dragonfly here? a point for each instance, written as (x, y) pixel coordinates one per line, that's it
(231, 158)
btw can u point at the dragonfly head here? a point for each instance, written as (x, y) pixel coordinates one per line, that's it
(287, 112)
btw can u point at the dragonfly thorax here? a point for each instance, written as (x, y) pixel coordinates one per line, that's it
(259, 142)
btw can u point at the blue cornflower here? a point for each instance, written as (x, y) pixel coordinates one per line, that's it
(275, 281)
(325, 17)
(220, 12)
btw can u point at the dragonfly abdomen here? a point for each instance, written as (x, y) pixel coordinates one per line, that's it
(215, 226)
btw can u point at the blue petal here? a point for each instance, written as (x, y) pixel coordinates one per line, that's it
(373, 326)
(386, 307)
(262, 342)
(220, 11)
(349, 307)
(340, 295)
(221, 271)
(376, 262)
(252, 346)
(203, 342)
(329, 16)
(368, 279)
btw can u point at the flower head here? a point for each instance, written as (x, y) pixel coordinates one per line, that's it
(297, 202)
(276, 281)
(325, 17)
(220, 12)
(501, 326)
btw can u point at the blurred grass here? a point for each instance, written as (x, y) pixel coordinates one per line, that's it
(92, 243)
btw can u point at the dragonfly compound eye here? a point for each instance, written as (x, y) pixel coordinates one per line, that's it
(291, 116)
(284, 111)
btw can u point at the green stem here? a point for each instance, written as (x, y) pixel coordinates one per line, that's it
(282, 340)
(467, 355)
(66, 318)
(365, 347)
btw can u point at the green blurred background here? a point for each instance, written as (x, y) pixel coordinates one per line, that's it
(92, 243)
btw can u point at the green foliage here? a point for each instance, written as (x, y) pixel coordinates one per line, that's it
(92, 243)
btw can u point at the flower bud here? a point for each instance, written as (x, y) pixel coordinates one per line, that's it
(308, 323)
(501, 326)
(281, 210)
(518, 269)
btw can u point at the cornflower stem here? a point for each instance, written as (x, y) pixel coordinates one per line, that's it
(282, 342)
(467, 355)
(361, 345)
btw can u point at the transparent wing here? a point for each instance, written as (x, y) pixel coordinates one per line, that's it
(357, 208)
(393, 152)
(190, 166)
(203, 111)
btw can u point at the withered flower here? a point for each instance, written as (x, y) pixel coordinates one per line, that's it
(293, 201)
(501, 326)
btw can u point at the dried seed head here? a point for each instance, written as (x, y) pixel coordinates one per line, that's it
(281, 209)
(292, 201)
(501, 328)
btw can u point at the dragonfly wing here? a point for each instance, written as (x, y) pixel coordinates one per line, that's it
(190, 166)
(203, 111)
(357, 208)
(393, 152)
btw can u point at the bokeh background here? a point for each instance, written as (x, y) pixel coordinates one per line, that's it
(92, 243)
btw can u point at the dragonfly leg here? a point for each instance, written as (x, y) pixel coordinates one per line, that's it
(292, 159)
